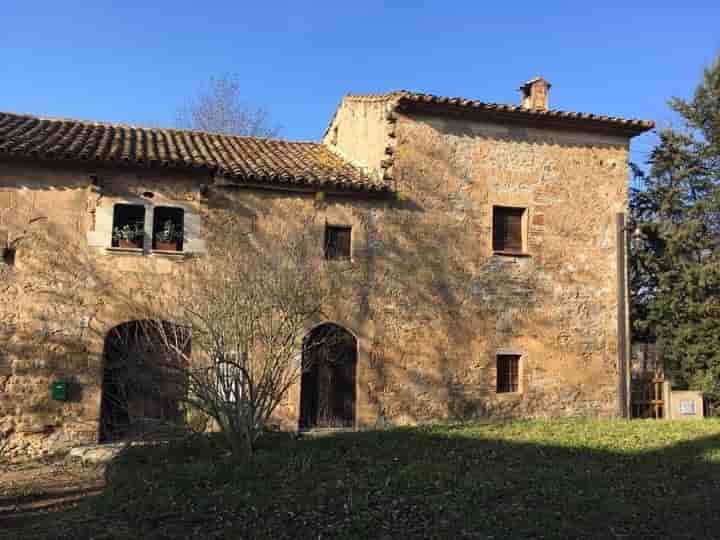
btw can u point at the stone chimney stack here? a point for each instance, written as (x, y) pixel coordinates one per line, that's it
(535, 94)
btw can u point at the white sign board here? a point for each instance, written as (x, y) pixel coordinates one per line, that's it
(687, 406)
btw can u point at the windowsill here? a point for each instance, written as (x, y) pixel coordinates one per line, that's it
(512, 253)
(139, 251)
(129, 251)
(172, 253)
(508, 395)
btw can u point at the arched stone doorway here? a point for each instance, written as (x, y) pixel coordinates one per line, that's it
(328, 384)
(142, 380)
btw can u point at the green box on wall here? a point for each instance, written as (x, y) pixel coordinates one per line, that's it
(59, 391)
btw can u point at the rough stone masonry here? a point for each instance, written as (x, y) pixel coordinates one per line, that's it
(424, 183)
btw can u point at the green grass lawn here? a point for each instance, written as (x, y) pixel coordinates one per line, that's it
(524, 479)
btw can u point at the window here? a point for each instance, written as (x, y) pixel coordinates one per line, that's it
(508, 229)
(167, 229)
(337, 242)
(508, 367)
(7, 256)
(128, 229)
(138, 225)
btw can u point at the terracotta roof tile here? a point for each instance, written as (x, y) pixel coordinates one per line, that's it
(240, 159)
(577, 119)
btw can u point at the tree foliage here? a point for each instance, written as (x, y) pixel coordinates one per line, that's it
(675, 270)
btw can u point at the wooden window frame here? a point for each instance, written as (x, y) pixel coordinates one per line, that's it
(334, 256)
(508, 368)
(504, 249)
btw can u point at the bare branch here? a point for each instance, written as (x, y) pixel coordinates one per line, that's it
(219, 108)
(246, 314)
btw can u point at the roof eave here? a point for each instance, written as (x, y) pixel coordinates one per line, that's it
(336, 188)
(92, 161)
(287, 184)
(546, 119)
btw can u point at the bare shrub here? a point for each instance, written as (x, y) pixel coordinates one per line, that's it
(4, 448)
(245, 310)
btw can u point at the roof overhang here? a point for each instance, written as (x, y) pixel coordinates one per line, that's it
(511, 114)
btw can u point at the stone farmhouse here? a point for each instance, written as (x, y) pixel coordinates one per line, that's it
(487, 239)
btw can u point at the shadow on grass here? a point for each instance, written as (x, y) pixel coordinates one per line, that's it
(18, 512)
(517, 480)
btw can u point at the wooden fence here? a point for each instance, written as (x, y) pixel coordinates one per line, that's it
(647, 395)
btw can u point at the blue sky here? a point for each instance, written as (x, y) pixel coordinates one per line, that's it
(138, 62)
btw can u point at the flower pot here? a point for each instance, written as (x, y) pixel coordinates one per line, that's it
(132, 244)
(166, 246)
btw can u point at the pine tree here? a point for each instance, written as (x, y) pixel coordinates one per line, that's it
(675, 264)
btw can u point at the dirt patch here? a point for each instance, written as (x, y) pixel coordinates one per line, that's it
(36, 488)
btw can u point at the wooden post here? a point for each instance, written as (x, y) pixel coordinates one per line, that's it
(667, 395)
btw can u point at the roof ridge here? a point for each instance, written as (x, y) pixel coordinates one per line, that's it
(426, 97)
(105, 123)
(556, 113)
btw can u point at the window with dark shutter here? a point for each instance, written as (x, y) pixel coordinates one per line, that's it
(337, 242)
(507, 229)
(508, 368)
(128, 226)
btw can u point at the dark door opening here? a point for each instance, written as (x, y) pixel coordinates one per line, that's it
(141, 387)
(327, 387)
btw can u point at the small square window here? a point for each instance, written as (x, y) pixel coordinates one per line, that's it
(7, 254)
(7, 257)
(508, 229)
(337, 242)
(508, 368)
(128, 226)
(168, 228)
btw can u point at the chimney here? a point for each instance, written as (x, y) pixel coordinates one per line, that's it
(535, 94)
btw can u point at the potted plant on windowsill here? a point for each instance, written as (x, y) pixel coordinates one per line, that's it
(130, 235)
(169, 237)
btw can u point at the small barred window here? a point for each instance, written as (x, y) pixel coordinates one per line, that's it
(508, 369)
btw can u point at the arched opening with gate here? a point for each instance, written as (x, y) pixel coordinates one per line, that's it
(328, 384)
(143, 380)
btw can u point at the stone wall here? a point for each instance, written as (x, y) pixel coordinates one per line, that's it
(443, 305)
(358, 132)
(61, 295)
(429, 303)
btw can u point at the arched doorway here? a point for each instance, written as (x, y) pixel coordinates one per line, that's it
(142, 380)
(327, 387)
